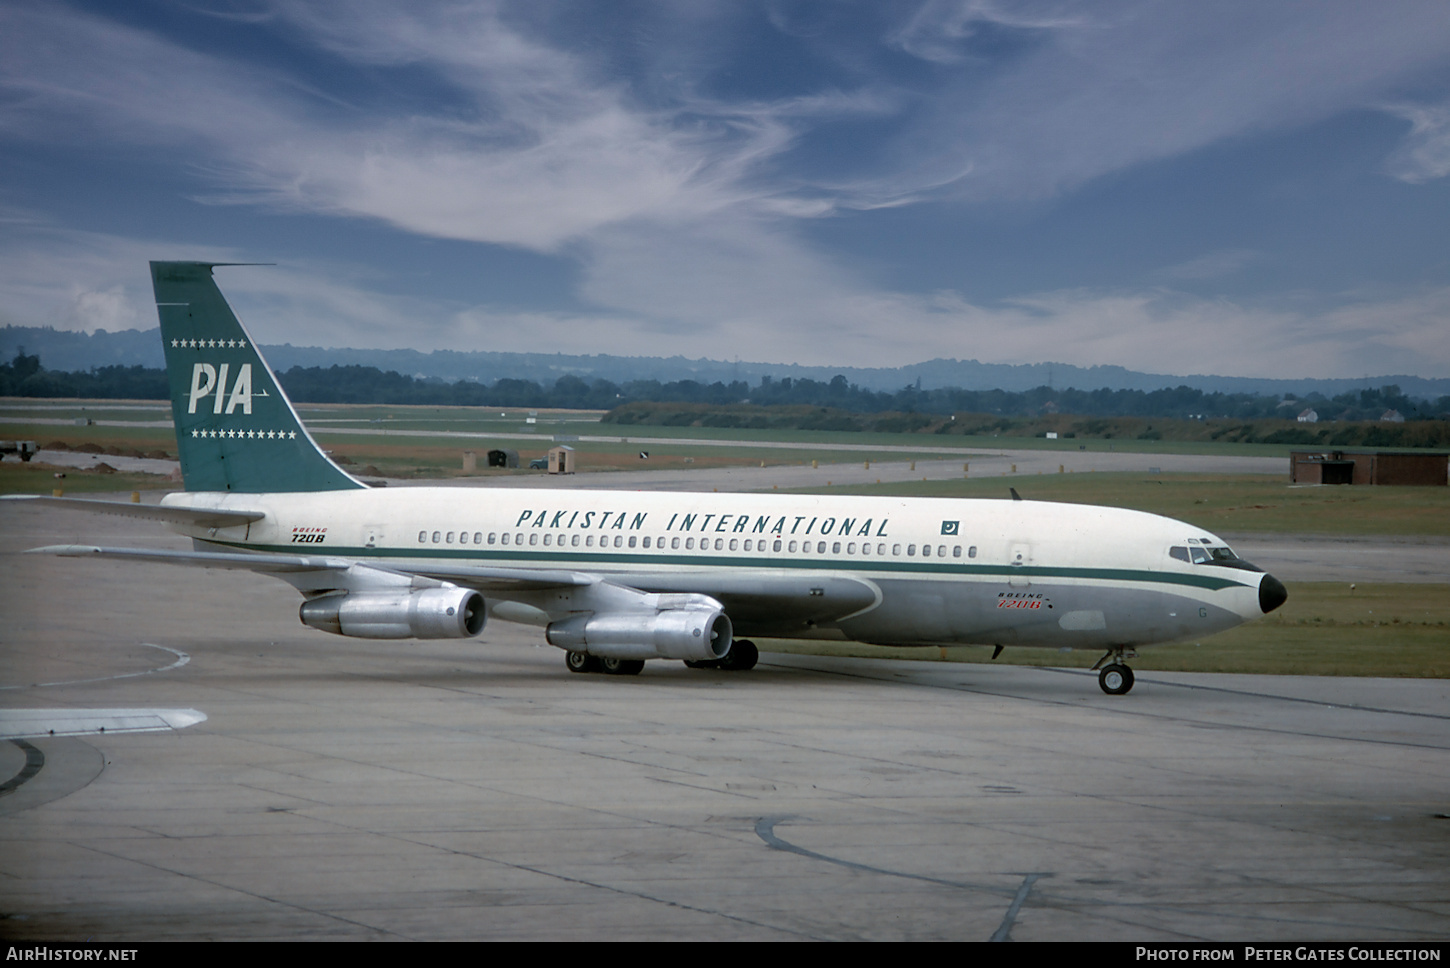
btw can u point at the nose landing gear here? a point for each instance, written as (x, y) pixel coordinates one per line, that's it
(1115, 678)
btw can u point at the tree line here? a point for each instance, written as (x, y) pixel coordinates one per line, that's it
(24, 376)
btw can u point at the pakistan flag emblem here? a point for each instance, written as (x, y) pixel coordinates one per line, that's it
(950, 527)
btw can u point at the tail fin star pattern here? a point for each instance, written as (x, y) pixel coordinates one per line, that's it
(235, 428)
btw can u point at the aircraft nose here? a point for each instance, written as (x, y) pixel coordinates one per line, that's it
(1272, 593)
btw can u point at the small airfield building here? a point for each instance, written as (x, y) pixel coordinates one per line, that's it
(1419, 469)
(561, 459)
(499, 457)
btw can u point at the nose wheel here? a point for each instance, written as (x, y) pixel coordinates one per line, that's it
(1115, 678)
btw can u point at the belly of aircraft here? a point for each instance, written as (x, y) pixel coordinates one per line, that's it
(1043, 614)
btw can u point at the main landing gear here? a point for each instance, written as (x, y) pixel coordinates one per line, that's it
(584, 662)
(1115, 678)
(741, 658)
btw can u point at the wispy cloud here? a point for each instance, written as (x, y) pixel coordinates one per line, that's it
(532, 150)
(1425, 155)
(801, 309)
(52, 276)
(691, 208)
(940, 29)
(1125, 83)
(533, 145)
(722, 295)
(1213, 265)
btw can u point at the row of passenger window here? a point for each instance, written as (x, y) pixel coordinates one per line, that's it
(676, 543)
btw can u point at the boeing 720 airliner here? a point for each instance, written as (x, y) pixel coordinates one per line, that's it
(616, 578)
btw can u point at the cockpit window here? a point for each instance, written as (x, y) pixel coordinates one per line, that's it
(1209, 554)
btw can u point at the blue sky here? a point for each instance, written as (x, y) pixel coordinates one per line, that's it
(1251, 189)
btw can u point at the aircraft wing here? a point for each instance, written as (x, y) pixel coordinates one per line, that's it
(488, 578)
(196, 517)
(754, 601)
(482, 578)
(758, 601)
(268, 564)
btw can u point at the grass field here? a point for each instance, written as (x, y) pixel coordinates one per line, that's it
(421, 456)
(1249, 503)
(126, 438)
(1324, 629)
(1389, 630)
(17, 416)
(1217, 502)
(37, 478)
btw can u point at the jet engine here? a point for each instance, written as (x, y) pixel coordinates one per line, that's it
(697, 633)
(447, 612)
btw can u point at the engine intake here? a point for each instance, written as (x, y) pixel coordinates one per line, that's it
(449, 612)
(676, 633)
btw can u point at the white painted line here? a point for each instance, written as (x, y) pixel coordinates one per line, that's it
(18, 723)
(181, 659)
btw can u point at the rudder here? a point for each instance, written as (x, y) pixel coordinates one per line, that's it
(235, 428)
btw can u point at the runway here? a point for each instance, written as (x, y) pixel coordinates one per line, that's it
(362, 790)
(965, 463)
(973, 464)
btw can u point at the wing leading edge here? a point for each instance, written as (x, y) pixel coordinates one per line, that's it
(480, 578)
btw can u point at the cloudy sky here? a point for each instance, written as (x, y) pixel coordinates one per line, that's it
(1243, 188)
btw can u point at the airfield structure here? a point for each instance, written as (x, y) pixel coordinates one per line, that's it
(1418, 469)
(561, 459)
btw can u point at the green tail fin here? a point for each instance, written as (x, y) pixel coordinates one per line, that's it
(235, 428)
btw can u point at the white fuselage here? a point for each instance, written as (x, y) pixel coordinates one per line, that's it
(909, 571)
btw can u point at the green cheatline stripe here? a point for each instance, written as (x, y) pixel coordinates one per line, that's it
(565, 558)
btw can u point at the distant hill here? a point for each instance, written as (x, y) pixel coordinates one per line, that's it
(66, 350)
(61, 349)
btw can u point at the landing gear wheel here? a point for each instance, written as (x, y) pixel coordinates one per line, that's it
(621, 667)
(742, 656)
(580, 662)
(1116, 679)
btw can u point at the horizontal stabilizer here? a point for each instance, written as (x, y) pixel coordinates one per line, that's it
(197, 517)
